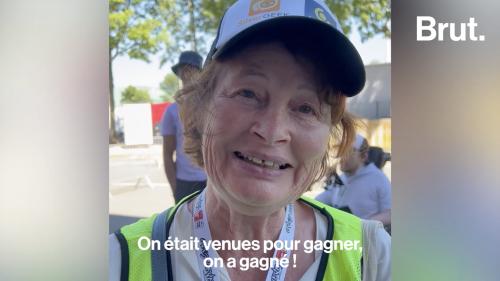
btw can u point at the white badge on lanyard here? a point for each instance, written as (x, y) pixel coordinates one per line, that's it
(202, 231)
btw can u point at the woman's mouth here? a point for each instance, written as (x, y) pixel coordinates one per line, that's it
(265, 163)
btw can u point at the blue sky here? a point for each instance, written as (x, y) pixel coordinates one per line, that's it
(140, 74)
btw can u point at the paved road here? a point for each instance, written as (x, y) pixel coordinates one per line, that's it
(137, 184)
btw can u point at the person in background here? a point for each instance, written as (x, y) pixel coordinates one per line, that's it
(183, 176)
(333, 183)
(366, 191)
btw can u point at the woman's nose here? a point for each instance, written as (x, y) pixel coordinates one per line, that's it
(272, 127)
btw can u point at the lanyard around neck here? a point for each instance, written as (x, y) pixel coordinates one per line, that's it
(202, 231)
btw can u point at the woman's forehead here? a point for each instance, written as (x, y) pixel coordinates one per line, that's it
(265, 60)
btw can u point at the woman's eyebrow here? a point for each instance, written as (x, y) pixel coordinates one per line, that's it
(308, 91)
(252, 70)
(307, 87)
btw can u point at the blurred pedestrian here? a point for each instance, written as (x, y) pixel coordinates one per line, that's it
(332, 185)
(183, 176)
(367, 190)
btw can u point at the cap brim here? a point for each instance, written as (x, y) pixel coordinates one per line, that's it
(344, 61)
(175, 69)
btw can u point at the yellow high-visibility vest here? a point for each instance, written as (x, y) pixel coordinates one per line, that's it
(136, 264)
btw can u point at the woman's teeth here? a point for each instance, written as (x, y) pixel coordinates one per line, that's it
(260, 162)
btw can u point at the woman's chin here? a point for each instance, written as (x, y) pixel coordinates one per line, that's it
(257, 194)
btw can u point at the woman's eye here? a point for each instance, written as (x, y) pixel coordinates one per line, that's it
(247, 94)
(306, 109)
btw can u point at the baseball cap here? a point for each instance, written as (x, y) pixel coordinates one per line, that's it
(312, 19)
(188, 58)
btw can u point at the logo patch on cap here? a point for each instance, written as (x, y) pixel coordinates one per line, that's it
(315, 10)
(262, 6)
(320, 14)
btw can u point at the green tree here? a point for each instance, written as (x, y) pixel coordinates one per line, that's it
(372, 17)
(193, 24)
(132, 94)
(169, 86)
(136, 30)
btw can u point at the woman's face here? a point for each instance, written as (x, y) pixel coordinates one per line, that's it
(268, 130)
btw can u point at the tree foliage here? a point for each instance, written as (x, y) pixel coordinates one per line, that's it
(169, 86)
(372, 17)
(136, 29)
(132, 94)
(193, 24)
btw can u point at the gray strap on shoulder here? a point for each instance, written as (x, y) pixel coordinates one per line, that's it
(159, 257)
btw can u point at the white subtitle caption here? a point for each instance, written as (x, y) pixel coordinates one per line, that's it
(245, 263)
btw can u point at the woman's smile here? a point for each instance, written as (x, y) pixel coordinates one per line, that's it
(260, 168)
(265, 162)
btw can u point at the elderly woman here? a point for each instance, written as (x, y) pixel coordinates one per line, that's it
(262, 120)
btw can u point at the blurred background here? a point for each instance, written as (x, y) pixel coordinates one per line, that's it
(145, 40)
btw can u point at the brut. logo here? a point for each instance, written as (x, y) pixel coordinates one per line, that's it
(427, 30)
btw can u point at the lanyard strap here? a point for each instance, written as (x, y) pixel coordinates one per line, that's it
(202, 231)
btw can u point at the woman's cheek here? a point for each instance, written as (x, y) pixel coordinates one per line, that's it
(312, 152)
(314, 144)
(214, 141)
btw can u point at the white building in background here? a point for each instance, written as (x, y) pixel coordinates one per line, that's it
(373, 105)
(374, 102)
(137, 125)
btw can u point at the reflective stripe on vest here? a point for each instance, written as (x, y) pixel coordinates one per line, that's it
(336, 266)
